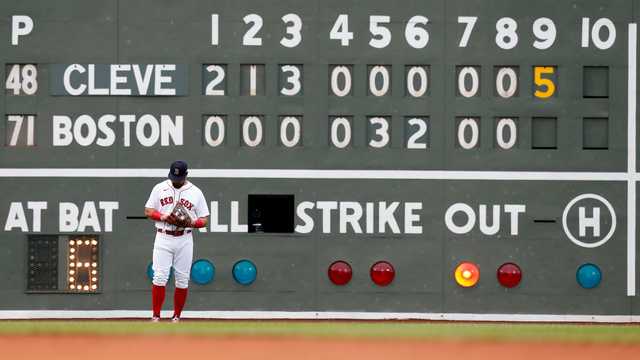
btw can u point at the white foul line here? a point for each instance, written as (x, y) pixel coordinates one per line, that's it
(320, 174)
(314, 315)
(631, 162)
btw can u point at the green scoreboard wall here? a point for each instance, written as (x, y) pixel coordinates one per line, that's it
(426, 159)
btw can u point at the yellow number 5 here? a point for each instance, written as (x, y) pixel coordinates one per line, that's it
(538, 71)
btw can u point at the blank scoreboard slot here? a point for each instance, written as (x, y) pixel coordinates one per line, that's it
(270, 213)
(595, 133)
(544, 133)
(544, 221)
(595, 82)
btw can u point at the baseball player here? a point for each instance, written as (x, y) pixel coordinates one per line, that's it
(177, 207)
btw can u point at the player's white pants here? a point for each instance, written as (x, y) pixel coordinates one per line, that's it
(176, 251)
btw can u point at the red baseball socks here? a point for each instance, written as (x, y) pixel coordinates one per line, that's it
(179, 298)
(157, 299)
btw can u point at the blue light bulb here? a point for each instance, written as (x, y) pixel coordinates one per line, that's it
(202, 272)
(244, 272)
(588, 276)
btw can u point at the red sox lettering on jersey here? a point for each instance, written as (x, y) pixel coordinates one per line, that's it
(164, 197)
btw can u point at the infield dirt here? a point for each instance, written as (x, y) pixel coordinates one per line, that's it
(173, 347)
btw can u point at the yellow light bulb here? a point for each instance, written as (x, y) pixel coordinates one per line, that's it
(79, 264)
(467, 274)
(71, 272)
(72, 286)
(72, 242)
(71, 279)
(72, 257)
(86, 287)
(94, 287)
(94, 264)
(94, 279)
(87, 242)
(93, 272)
(94, 242)
(86, 264)
(72, 250)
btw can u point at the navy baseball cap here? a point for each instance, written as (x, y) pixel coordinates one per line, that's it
(178, 171)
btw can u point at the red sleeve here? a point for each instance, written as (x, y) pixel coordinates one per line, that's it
(199, 223)
(156, 215)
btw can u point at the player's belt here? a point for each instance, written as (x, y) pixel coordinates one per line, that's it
(174, 233)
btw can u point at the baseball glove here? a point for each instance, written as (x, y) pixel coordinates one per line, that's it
(179, 217)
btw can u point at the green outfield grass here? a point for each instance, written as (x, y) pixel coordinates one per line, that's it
(628, 334)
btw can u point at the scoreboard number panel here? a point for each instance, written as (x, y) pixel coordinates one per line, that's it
(453, 134)
(21, 79)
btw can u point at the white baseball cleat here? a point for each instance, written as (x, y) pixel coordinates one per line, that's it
(175, 319)
(155, 319)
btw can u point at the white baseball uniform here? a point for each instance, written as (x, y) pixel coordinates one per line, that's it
(173, 246)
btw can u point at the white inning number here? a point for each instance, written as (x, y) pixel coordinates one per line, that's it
(217, 80)
(293, 80)
(22, 78)
(416, 36)
(417, 74)
(215, 36)
(472, 141)
(413, 142)
(290, 124)
(506, 36)
(293, 30)
(345, 73)
(252, 123)
(470, 22)
(545, 32)
(218, 122)
(18, 121)
(249, 38)
(340, 30)
(506, 142)
(382, 132)
(599, 42)
(379, 72)
(381, 35)
(472, 74)
(338, 124)
(506, 73)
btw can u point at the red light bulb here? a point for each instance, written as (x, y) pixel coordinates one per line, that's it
(382, 273)
(340, 272)
(509, 275)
